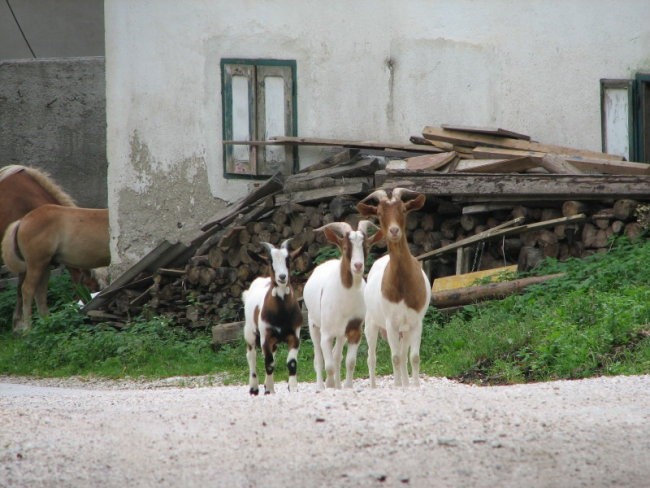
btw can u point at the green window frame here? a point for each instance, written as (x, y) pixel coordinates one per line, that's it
(259, 102)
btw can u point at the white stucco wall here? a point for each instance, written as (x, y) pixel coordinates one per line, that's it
(366, 69)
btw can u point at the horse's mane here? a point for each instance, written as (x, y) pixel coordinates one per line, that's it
(43, 179)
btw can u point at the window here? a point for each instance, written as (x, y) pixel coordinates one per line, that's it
(259, 102)
(625, 117)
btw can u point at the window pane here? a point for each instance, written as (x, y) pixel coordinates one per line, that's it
(616, 121)
(274, 117)
(241, 118)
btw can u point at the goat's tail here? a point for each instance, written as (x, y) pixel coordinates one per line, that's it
(11, 255)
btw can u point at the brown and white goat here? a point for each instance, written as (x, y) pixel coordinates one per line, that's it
(272, 315)
(333, 296)
(397, 292)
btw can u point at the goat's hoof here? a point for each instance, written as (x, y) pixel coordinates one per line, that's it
(254, 391)
(267, 392)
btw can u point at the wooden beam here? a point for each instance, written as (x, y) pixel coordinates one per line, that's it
(491, 291)
(495, 165)
(592, 164)
(610, 167)
(507, 187)
(484, 152)
(315, 141)
(468, 279)
(430, 162)
(322, 193)
(492, 131)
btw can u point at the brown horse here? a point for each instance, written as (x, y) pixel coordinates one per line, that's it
(53, 234)
(22, 189)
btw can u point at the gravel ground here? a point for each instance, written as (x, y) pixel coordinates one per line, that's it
(196, 432)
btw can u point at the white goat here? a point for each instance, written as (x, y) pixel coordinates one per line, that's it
(398, 291)
(272, 315)
(333, 296)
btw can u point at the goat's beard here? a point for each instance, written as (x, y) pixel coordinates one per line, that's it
(281, 291)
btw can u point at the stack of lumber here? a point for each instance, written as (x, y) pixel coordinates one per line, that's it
(495, 150)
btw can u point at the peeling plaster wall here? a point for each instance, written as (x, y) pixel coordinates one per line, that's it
(161, 204)
(365, 70)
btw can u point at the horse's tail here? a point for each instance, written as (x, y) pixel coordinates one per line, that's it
(11, 251)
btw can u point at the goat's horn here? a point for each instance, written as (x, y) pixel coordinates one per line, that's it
(341, 227)
(285, 244)
(267, 245)
(397, 192)
(364, 224)
(379, 195)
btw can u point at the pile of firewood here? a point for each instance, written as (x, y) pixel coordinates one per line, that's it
(525, 202)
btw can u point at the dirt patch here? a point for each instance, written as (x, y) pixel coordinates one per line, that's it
(592, 433)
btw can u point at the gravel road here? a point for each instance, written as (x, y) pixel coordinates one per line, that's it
(192, 432)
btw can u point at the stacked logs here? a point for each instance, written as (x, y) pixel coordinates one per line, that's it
(208, 290)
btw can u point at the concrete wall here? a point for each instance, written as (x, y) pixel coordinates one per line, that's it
(53, 28)
(365, 70)
(53, 116)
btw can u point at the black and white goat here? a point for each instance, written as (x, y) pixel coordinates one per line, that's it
(272, 316)
(333, 296)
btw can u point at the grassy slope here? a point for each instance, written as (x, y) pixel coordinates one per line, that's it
(593, 321)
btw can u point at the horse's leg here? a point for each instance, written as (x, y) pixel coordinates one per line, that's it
(30, 286)
(18, 310)
(41, 293)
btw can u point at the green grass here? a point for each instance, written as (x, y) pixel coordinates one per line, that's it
(593, 321)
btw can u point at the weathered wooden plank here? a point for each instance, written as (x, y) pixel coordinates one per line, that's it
(430, 162)
(162, 255)
(492, 131)
(322, 193)
(365, 166)
(443, 146)
(522, 187)
(484, 152)
(583, 163)
(554, 163)
(610, 167)
(325, 181)
(315, 141)
(495, 165)
(468, 279)
(491, 291)
(485, 207)
(473, 140)
(342, 157)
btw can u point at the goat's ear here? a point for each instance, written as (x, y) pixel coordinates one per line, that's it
(376, 237)
(332, 236)
(365, 209)
(259, 257)
(415, 204)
